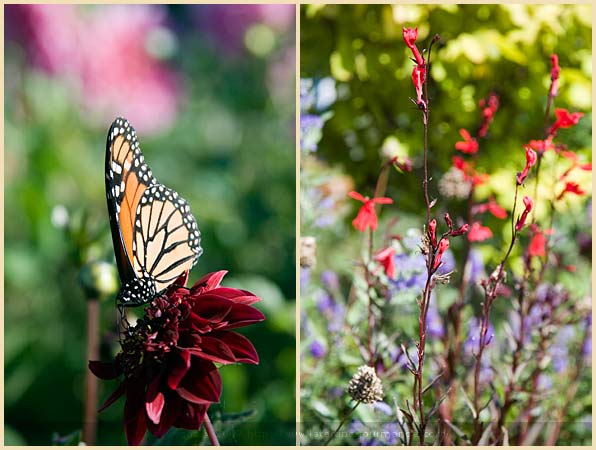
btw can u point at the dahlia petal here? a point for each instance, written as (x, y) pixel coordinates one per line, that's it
(192, 417)
(121, 389)
(212, 307)
(237, 295)
(244, 351)
(242, 315)
(202, 383)
(104, 370)
(173, 407)
(208, 282)
(179, 368)
(135, 422)
(215, 350)
(155, 407)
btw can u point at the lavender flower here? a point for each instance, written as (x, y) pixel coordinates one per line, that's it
(317, 350)
(330, 280)
(559, 351)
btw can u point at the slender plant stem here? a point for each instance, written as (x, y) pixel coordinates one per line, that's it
(91, 382)
(210, 430)
(341, 424)
(371, 317)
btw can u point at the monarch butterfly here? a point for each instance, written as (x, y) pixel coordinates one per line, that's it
(155, 236)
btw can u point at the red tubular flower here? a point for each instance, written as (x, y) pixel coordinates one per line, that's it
(531, 159)
(554, 75)
(469, 145)
(541, 145)
(367, 217)
(479, 233)
(572, 188)
(168, 357)
(432, 231)
(418, 77)
(461, 230)
(385, 258)
(565, 119)
(410, 36)
(537, 245)
(443, 246)
(492, 206)
(522, 219)
(489, 109)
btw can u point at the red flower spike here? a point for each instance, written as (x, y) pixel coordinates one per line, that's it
(432, 231)
(443, 246)
(166, 358)
(461, 230)
(565, 119)
(385, 258)
(469, 145)
(410, 36)
(367, 217)
(522, 219)
(479, 233)
(531, 159)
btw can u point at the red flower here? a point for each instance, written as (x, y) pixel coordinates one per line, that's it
(410, 36)
(554, 75)
(385, 258)
(469, 171)
(443, 246)
(489, 109)
(461, 230)
(531, 159)
(418, 77)
(168, 357)
(572, 188)
(541, 146)
(537, 245)
(492, 206)
(565, 119)
(469, 145)
(432, 230)
(367, 217)
(479, 233)
(522, 219)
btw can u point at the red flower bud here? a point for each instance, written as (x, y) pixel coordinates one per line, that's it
(443, 246)
(522, 219)
(448, 220)
(432, 231)
(461, 230)
(531, 159)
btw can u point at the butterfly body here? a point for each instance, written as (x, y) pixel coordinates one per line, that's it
(155, 236)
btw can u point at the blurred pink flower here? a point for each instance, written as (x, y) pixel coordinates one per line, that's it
(102, 52)
(228, 24)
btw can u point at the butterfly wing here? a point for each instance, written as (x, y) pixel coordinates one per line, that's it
(127, 178)
(155, 236)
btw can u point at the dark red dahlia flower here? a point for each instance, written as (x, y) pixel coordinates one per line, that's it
(167, 358)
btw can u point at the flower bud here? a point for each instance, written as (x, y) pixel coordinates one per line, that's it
(365, 386)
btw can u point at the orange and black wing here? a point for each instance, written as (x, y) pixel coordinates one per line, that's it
(155, 236)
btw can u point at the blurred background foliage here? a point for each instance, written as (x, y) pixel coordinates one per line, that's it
(210, 90)
(357, 113)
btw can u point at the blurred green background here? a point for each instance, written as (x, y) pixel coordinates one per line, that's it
(211, 93)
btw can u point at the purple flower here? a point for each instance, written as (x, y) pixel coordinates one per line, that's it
(310, 131)
(330, 280)
(410, 272)
(434, 323)
(471, 346)
(587, 345)
(305, 273)
(332, 311)
(475, 266)
(317, 350)
(559, 351)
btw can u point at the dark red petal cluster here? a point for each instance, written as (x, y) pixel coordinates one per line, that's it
(167, 358)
